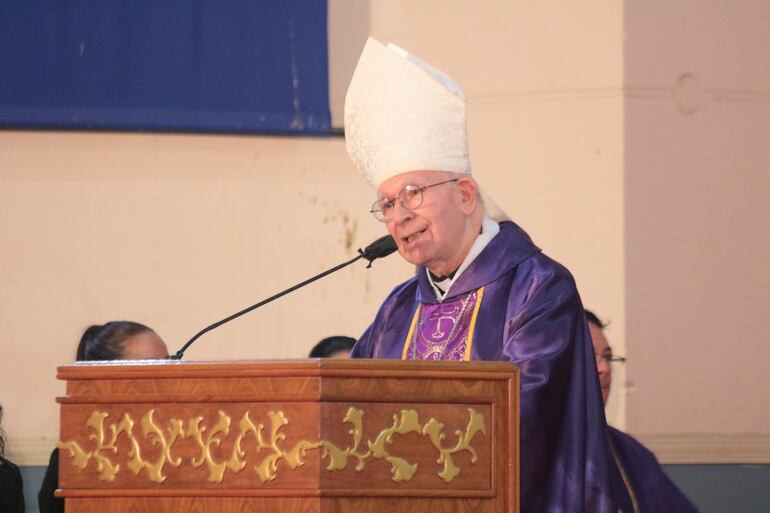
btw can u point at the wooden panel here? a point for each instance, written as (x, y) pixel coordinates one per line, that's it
(193, 505)
(298, 388)
(163, 446)
(209, 443)
(277, 505)
(411, 505)
(422, 389)
(259, 436)
(414, 448)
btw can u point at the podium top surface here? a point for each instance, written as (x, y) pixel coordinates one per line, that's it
(137, 369)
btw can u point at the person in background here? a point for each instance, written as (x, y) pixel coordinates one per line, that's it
(116, 340)
(333, 347)
(11, 485)
(638, 481)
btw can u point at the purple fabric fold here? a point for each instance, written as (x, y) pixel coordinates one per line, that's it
(531, 315)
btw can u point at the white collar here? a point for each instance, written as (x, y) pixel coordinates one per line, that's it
(489, 229)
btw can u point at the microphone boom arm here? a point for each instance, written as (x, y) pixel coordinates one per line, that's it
(378, 249)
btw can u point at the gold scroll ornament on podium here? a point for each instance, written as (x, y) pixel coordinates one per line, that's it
(268, 438)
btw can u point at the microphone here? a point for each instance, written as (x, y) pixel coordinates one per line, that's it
(380, 248)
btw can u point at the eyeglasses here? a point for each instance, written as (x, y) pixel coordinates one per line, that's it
(611, 358)
(410, 197)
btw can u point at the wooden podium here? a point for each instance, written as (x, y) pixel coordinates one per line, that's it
(289, 436)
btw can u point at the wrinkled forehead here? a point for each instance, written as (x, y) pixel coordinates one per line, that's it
(392, 186)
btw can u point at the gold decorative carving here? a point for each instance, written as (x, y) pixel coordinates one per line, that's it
(156, 436)
(338, 458)
(267, 469)
(435, 430)
(268, 439)
(212, 439)
(400, 469)
(80, 458)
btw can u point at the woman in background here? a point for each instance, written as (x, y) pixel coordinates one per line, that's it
(333, 347)
(116, 340)
(11, 489)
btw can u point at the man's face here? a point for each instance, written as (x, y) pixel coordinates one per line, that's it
(432, 234)
(603, 352)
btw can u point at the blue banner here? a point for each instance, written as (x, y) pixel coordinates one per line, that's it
(238, 66)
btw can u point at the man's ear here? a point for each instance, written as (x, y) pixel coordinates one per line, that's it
(469, 195)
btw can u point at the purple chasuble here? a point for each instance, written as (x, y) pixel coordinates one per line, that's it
(443, 329)
(530, 314)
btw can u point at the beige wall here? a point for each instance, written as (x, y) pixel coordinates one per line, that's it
(697, 160)
(348, 30)
(176, 232)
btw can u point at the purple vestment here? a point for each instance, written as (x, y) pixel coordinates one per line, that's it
(529, 313)
(638, 481)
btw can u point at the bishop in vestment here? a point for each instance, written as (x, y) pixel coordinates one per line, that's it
(482, 289)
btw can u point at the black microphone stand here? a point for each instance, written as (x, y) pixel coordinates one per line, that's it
(379, 248)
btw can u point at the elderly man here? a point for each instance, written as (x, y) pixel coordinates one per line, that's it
(638, 482)
(482, 290)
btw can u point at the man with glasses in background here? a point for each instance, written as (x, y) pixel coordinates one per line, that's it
(482, 290)
(638, 481)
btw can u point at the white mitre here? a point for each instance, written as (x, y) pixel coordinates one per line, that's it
(402, 114)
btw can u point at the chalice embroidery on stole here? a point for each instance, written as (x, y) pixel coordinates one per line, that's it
(438, 334)
(443, 329)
